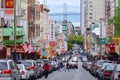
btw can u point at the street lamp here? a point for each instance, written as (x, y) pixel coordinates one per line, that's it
(14, 29)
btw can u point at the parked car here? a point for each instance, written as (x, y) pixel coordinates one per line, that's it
(40, 65)
(88, 65)
(84, 59)
(98, 65)
(32, 65)
(116, 73)
(54, 65)
(25, 72)
(9, 70)
(92, 67)
(100, 71)
(108, 71)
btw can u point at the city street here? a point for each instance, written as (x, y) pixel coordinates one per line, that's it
(73, 74)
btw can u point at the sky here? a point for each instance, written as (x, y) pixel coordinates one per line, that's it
(56, 6)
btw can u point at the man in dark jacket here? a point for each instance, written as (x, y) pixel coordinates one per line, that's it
(46, 68)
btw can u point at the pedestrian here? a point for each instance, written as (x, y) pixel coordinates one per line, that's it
(60, 66)
(67, 66)
(46, 68)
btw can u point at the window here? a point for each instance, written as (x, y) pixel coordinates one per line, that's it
(3, 65)
(90, 13)
(90, 6)
(12, 66)
(34, 63)
(90, 17)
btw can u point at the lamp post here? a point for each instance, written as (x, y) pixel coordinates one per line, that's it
(14, 29)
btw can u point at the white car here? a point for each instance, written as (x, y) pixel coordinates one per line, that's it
(73, 64)
(25, 72)
(9, 70)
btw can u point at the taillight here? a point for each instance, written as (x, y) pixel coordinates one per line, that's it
(116, 76)
(107, 73)
(31, 67)
(6, 71)
(22, 72)
(98, 67)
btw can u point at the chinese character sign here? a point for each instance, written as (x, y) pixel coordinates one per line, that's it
(9, 10)
(110, 48)
(9, 3)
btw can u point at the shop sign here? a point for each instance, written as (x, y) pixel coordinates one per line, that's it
(9, 10)
(102, 41)
(110, 48)
(116, 40)
(52, 43)
(44, 52)
(9, 3)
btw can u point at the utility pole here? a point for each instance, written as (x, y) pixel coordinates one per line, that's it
(14, 29)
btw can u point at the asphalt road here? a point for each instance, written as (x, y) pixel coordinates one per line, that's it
(73, 74)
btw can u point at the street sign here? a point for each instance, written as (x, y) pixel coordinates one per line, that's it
(102, 41)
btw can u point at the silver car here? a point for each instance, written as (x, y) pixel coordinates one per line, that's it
(32, 65)
(9, 70)
(25, 72)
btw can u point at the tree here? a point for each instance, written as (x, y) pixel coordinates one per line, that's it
(72, 39)
(80, 40)
(70, 46)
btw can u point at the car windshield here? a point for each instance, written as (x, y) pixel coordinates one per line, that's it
(27, 64)
(3, 65)
(20, 66)
(101, 62)
(118, 67)
(105, 64)
(110, 67)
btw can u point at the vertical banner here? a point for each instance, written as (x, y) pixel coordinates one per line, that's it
(9, 10)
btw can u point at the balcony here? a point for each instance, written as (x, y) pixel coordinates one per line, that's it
(7, 35)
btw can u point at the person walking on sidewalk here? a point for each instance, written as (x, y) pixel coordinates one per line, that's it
(60, 66)
(46, 68)
(67, 66)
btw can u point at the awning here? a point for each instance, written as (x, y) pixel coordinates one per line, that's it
(19, 49)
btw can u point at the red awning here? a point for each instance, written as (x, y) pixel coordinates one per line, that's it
(19, 49)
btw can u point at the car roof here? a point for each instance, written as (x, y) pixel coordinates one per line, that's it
(24, 60)
(5, 60)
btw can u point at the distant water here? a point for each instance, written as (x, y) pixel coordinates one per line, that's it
(72, 18)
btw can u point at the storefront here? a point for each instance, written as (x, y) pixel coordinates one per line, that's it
(20, 52)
